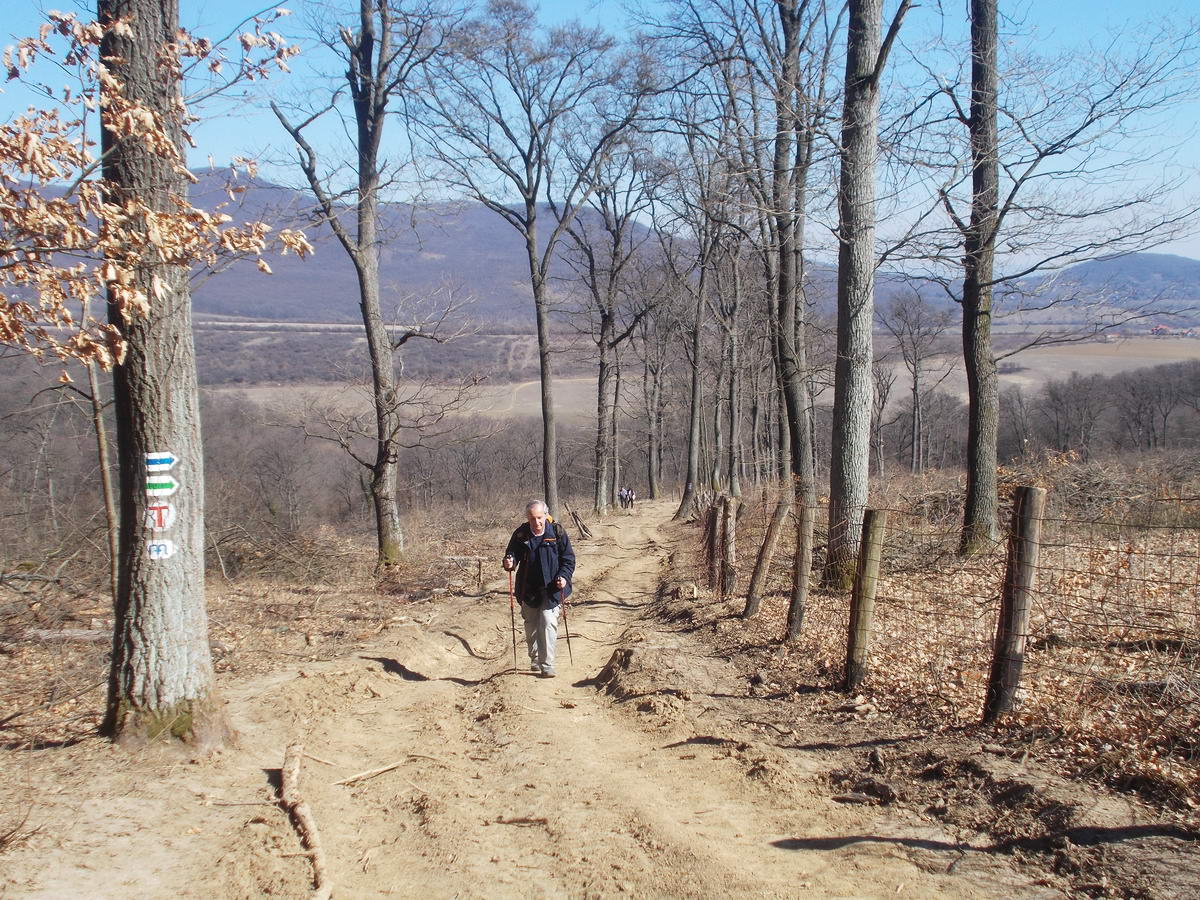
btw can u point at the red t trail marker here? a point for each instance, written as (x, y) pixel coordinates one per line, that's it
(160, 515)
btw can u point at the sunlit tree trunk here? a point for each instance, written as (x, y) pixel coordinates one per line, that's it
(161, 674)
(850, 458)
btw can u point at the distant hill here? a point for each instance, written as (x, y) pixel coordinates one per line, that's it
(470, 248)
(1141, 276)
(463, 246)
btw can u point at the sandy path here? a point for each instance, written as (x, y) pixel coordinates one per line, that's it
(511, 785)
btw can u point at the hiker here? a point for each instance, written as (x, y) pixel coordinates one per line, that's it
(541, 553)
(630, 496)
(621, 496)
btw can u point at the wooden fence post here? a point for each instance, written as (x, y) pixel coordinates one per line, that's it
(729, 507)
(1012, 628)
(862, 600)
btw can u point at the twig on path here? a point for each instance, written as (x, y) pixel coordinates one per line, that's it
(242, 803)
(371, 773)
(521, 822)
(302, 818)
(324, 761)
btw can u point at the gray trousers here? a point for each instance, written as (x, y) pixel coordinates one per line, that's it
(541, 634)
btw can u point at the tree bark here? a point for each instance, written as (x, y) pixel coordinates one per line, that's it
(687, 502)
(982, 503)
(161, 675)
(601, 499)
(537, 278)
(850, 461)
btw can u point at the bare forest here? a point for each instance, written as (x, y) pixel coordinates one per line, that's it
(832, 334)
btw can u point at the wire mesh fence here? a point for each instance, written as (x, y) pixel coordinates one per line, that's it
(1110, 678)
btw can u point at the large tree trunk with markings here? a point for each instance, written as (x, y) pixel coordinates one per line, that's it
(161, 677)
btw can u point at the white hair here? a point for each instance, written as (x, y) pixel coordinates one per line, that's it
(533, 504)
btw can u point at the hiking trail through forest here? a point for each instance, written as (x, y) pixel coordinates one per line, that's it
(622, 776)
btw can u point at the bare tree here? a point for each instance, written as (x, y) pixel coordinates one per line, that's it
(849, 468)
(161, 676)
(418, 410)
(499, 115)
(1070, 411)
(382, 51)
(609, 258)
(1051, 172)
(917, 328)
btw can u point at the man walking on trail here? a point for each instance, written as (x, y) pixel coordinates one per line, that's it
(541, 553)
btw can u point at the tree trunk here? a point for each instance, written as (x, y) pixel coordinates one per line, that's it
(688, 500)
(161, 675)
(982, 504)
(616, 433)
(717, 467)
(735, 417)
(111, 517)
(652, 389)
(388, 530)
(546, 369)
(603, 490)
(762, 565)
(849, 451)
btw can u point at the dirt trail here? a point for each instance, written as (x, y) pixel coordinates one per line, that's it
(510, 785)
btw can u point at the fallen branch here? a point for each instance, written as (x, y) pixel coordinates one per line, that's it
(65, 635)
(371, 773)
(302, 819)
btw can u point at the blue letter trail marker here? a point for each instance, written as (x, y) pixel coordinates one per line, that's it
(160, 549)
(160, 462)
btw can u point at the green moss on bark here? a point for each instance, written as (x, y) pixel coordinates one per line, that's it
(194, 722)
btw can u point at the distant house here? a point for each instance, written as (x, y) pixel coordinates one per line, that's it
(1161, 330)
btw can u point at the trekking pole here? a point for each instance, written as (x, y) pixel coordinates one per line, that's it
(512, 614)
(567, 628)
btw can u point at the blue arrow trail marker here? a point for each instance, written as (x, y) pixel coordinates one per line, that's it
(161, 461)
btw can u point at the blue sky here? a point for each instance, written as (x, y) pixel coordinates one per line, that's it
(243, 130)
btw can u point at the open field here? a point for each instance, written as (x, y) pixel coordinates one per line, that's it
(575, 396)
(1030, 369)
(1098, 358)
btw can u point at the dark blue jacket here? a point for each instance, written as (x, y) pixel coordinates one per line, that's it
(555, 559)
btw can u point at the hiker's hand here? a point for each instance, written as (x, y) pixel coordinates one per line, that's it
(560, 582)
(508, 563)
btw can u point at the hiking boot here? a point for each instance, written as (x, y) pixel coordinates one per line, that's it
(547, 673)
(535, 668)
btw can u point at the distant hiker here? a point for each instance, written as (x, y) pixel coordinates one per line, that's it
(541, 553)
(630, 496)
(622, 496)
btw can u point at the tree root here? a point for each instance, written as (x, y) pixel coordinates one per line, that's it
(302, 819)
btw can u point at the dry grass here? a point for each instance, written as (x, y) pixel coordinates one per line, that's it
(1111, 685)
